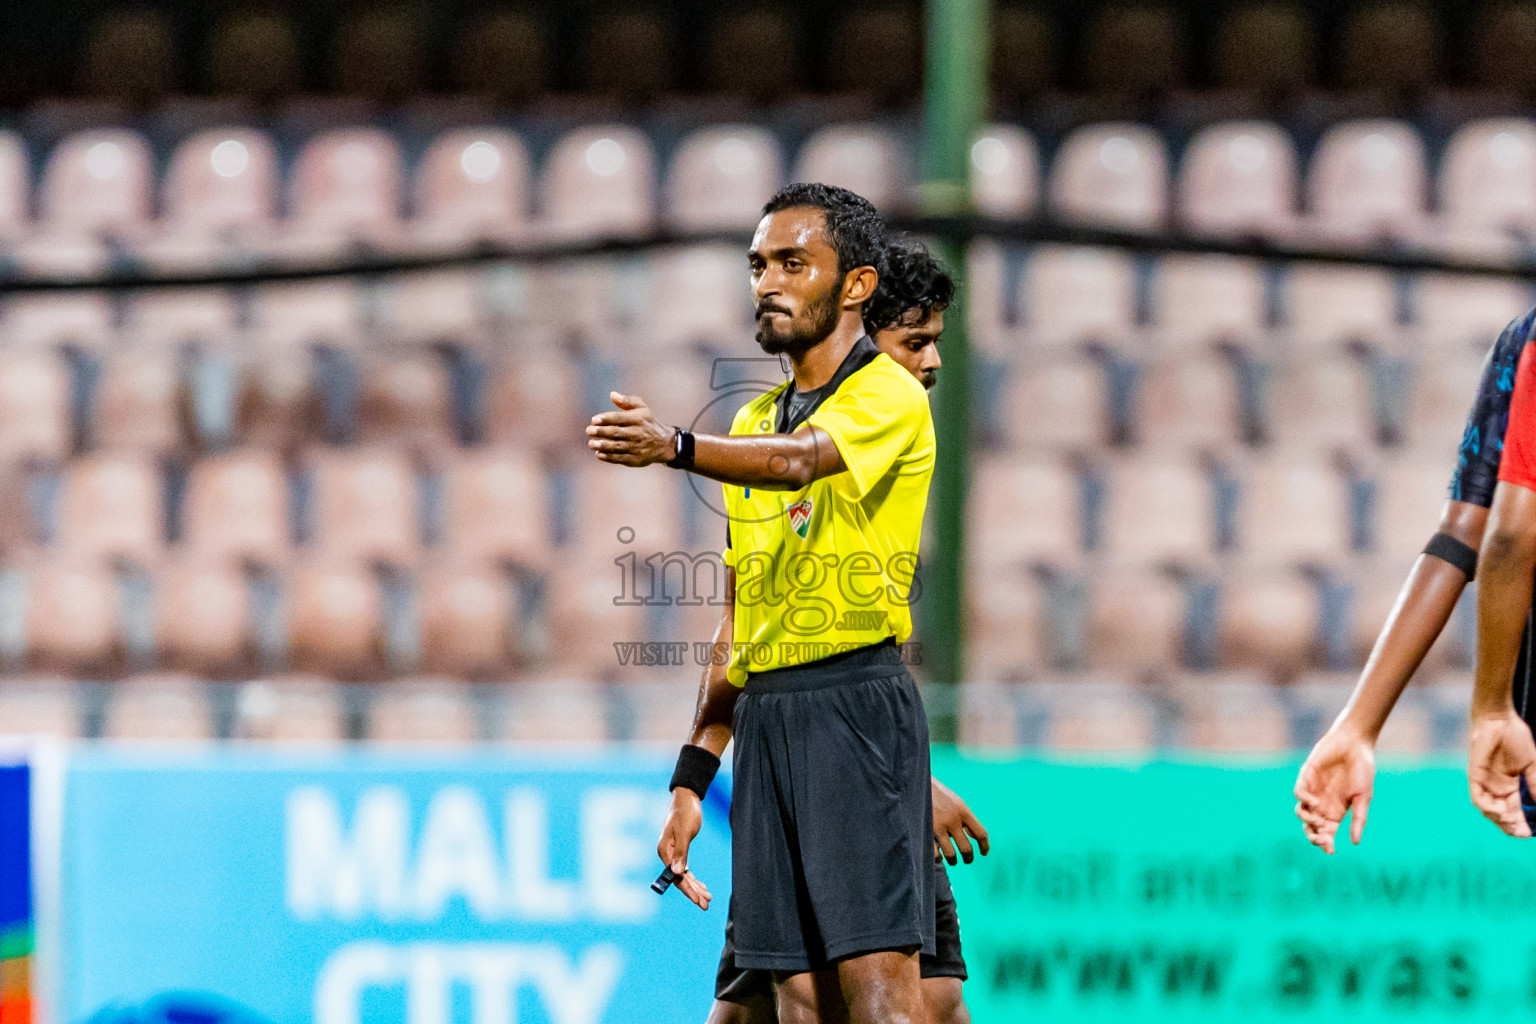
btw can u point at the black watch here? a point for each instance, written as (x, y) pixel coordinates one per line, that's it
(683, 440)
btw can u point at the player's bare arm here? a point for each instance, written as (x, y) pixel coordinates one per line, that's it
(1501, 748)
(955, 827)
(712, 732)
(773, 462)
(1339, 773)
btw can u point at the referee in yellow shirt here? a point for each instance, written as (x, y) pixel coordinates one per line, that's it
(826, 483)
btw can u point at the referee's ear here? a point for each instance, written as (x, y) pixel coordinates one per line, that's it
(859, 286)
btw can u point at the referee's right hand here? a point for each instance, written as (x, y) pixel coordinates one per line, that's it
(684, 820)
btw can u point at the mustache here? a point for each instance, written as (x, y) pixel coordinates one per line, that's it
(769, 307)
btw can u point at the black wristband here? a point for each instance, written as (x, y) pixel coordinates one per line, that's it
(695, 770)
(1448, 549)
(683, 439)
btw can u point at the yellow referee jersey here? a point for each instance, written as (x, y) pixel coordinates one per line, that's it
(830, 567)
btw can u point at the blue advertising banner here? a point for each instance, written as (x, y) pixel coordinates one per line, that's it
(357, 889)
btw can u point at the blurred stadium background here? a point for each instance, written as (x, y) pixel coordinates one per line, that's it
(356, 507)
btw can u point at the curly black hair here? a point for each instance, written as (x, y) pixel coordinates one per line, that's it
(913, 286)
(854, 225)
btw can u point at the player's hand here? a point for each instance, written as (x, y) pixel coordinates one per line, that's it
(631, 436)
(1339, 775)
(954, 826)
(684, 820)
(1501, 751)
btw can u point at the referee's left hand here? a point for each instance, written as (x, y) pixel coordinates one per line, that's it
(631, 436)
(954, 826)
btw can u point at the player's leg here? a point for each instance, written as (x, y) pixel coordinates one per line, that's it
(944, 972)
(758, 1009)
(741, 996)
(883, 988)
(810, 997)
(944, 999)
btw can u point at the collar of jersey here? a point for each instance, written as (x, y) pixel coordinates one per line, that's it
(859, 356)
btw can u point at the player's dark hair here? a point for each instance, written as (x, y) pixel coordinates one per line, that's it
(853, 224)
(913, 286)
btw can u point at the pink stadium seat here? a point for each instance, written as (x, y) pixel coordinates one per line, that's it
(663, 711)
(1410, 494)
(1239, 178)
(1320, 404)
(1200, 299)
(292, 315)
(39, 706)
(15, 189)
(700, 296)
(600, 181)
(202, 614)
(236, 507)
(1006, 611)
(496, 507)
(1454, 310)
(1158, 510)
(1232, 713)
(404, 401)
(138, 403)
(1005, 172)
(557, 712)
(98, 183)
(279, 406)
(51, 320)
(1292, 511)
(366, 505)
(222, 184)
(473, 185)
(291, 709)
(722, 176)
(584, 623)
(1076, 294)
(611, 502)
(1188, 402)
(423, 711)
(1268, 623)
(72, 623)
(1327, 306)
(861, 157)
(112, 506)
(1443, 391)
(989, 714)
(437, 305)
(171, 317)
(347, 184)
(468, 620)
(1488, 176)
(334, 619)
(532, 399)
(1024, 510)
(986, 312)
(1135, 622)
(1368, 181)
(160, 708)
(1095, 714)
(1057, 404)
(34, 406)
(1112, 174)
(1134, 49)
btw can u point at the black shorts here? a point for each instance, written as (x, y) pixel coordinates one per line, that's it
(831, 813)
(739, 985)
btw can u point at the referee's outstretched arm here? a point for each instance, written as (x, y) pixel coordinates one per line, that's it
(632, 436)
(700, 758)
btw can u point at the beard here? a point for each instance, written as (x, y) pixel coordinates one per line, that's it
(803, 333)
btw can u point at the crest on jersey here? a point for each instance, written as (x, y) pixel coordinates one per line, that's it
(800, 517)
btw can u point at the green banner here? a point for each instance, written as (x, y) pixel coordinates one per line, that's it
(1186, 892)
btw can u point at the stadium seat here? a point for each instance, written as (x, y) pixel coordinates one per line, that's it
(1094, 714)
(39, 706)
(222, 185)
(1189, 402)
(1025, 510)
(254, 53)
(130, 55)
(1007, 616)
(1320, 404)
(379, 54)
(1057, 404)
(886, 30)
(1455, 310)
(347, 186)
(72, 621)
(202, 618)
(286, 317)
(496, 507)
(1114, 175)
(423, 711)
(533, 398)
(614, 502)
(1329, 306)
(862, 157)
(15, 187)
(1292, 510)
(1368, 182)
(138, 403)
(661, 712)
(1442, 398)
(468, 620)
(96, 184)
(1073, 294)
(335, 619)
(1200, 299)
(236, 507)
(162, 708)
(43, 320)
(1232, 713)
(584, 620)
(366, 505)
(701, 299)
(291, 709)
(1268, 622)
(1135, 622)
(1239, 178)
(554, 712)
(1005, 171)
(1488, 176)
(1391, 47)
(170, 317)
(1135, 48)
(599, 181)
(1502, 48)
(504, 54)
(1158, 510)
(721, 177)
(34, 406)
(989, 714)
(752, 54)
(112, 506)
(404, 400)
(278, 405)
(628, 57)
(1025, 57)
(1265, 48)
(1411, 492)
(473, 185)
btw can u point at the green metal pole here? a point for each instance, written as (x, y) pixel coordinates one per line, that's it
(954, 104)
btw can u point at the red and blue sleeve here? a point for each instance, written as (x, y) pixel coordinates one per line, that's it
(1518, 466)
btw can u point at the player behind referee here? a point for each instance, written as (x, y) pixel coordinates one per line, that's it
(831, 810)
